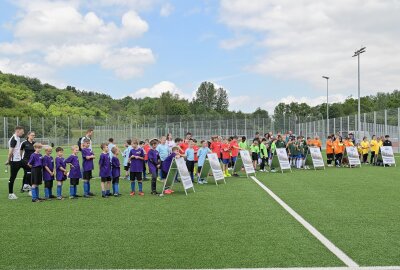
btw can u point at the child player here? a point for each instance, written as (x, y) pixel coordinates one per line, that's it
(74, 173)
(48, 173)
(189, 153)
(105, 171)
(202, 154)
(128, 148)
(216, 146)
(153, 164)
(166, 164)
(87, 167)
(115, 171)
(235, 151)
(137, 162)
(36, 164)
(226, 156)
(61, 172)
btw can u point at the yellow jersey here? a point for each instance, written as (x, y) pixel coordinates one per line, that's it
(364, 147)
(374, 146)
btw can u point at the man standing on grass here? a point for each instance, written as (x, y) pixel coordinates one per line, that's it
(14, 159)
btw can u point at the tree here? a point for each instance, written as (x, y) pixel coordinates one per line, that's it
(206, 96)
(222, 103)
(260, 113)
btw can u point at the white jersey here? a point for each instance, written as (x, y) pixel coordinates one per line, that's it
(15, 143)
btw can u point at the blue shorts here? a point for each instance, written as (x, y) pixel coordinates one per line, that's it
(225, 161)
(234, 159)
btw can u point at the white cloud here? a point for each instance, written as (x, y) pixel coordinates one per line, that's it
(166, 10)
(234, 43)
(58, 33)
(249, 104)
(304, 40)
(159, 88)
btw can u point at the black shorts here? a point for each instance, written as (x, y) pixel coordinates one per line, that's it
(254, 156)
(329, 156)
(126, 168)
(106, 179)
(87, 175)
(199, 169)
(190, 165)
(74, 181)
(37, 176)
(115, 180)
(48, 184)
(136, 176)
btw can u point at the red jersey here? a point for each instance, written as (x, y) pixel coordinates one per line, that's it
(146, 149)
(226, 151)
(216, 148)
(234, 147)
(196, 149)
(183, 147)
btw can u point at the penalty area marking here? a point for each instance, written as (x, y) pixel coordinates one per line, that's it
(325, 241)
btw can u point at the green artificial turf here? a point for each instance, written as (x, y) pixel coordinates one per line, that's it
(230, 226)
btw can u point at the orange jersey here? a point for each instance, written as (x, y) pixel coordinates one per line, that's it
(348, 143)
(146, 149)
(329, 147)
(216, 148)
(234, 148)
(339, 147)
(196, 149)
(226, 151)
(183, 147)
(317, 143)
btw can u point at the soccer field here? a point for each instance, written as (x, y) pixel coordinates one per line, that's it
(233, 225)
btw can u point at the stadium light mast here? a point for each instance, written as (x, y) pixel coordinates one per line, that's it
(327, 104)
(357, 54)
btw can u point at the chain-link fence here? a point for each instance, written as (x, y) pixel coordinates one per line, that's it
(67, 130)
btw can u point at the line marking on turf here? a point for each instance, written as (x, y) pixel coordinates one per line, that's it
(290, 268)
(325, 241)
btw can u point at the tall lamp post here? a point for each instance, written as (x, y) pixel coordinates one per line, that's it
(357, 54)
(327, 104)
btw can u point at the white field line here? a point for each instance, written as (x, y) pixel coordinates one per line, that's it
(325, 241)
(290, 268)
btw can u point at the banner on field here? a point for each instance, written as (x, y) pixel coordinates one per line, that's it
(316, 157)
(387, 155)
(212, 163)
(178, 167)
(351, 153)
(283, 160)
(244, 160)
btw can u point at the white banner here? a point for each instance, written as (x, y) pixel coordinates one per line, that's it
(247, 163)
(215, 167)
(387, 155)
(283, 158)
(316, 157)
(184, 173)
(352, 155)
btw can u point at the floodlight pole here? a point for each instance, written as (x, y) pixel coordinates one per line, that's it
(357, 54)
(327, 104)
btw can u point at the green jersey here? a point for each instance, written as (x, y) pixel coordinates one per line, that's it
(263, 150)
(280, 144)
(273, 147)
(255, 148)
(243, 145)
(293, 149)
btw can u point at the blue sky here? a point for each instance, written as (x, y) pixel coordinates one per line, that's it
(262, 51)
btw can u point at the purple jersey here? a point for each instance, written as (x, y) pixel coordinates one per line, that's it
(153, 160)
(60, 163)
(167, 162)
(105, 165)
(48, 162)
(36, 160)
(87, 164)
(137, 165)
(115, 171)
(75, 171)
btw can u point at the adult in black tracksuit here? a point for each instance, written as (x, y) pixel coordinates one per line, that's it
(26, 151)
(14, 159)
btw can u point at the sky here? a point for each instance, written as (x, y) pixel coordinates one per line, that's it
(261, 51)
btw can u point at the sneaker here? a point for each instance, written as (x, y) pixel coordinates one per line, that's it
(36, 200)
(30, 193)
(12, 196)
(73, 197)
(228, 175)
(205, 181)
(155, 193)
(141, 193)
(132, 193)
(235, 175)
(168, 191)
(60, 198)
(86, 196)
(91, 194)
(200, 182)
(273, 171)
(26, 187)
(52, 197)
(104, 196)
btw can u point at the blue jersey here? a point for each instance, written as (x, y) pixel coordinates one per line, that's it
(189, 153)
(126, 155)
(163, 151)
(202, 154)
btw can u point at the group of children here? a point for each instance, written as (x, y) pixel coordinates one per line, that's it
(336, 145)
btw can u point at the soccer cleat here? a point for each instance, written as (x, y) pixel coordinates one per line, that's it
(52, 197)
(86, 196)
(60, 198)
(132, 193)
(228, 175)
(200, 182)
(116, 195)
(141, 193)
(105, 196)
(36, 200)
(205, 181)
(26, 187)
(91, 194)
(168, 191)
(12, 196)
(155, 193)
(73, 197)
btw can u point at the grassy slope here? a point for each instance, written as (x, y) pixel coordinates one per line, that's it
(235, 225)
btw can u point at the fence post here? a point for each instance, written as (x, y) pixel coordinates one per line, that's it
(341, 126)
(68, 130)
(398, 130)
(374, 122)
(55, 130)
(365, 123)
(245, 126)
(5, 132)
(42, 127)
(386, 122)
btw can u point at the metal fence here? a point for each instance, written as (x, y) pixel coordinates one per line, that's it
(67, 130)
